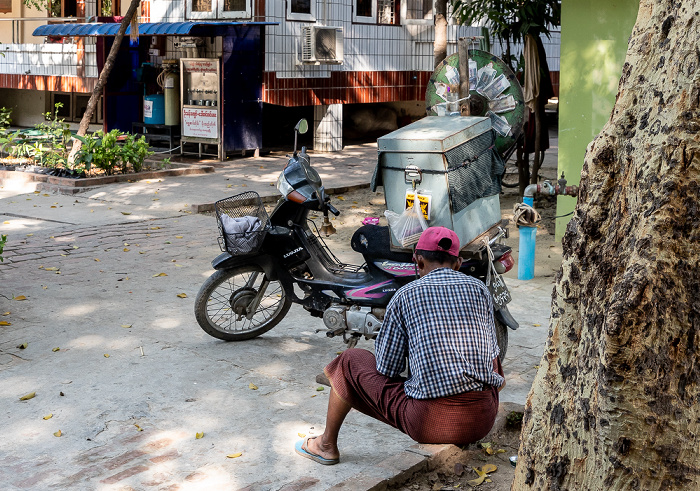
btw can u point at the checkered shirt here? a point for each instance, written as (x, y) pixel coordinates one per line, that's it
(444, 323)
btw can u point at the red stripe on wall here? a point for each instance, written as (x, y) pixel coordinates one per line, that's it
(48, 82)
(345, 88)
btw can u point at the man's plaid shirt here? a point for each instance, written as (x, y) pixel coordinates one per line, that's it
(444, 323)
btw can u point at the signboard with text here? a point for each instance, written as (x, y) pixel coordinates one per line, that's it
(200, 122)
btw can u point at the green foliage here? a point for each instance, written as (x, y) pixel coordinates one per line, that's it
(51, 7)
(514, 419)
(509, 20)
(5, 118)
(111, 151)
(52, 149)
(3, 240)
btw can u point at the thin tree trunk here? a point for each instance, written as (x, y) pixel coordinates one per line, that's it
(102, 80)
(440, 43)
(615, 403)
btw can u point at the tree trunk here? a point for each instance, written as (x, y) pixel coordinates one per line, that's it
(523, 163)
(440, 43)
(102, 80)
(615, 401)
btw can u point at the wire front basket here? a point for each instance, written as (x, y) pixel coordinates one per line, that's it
(243, 223)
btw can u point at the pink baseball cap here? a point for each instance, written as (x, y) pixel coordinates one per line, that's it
(439, 239)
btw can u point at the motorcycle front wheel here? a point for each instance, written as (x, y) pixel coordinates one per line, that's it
(240, 303)
(501, 338)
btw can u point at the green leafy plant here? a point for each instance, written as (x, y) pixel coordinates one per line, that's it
(114, 150)
(52, 149)
(134, 151)
(509, 20)
(3, 241)
(5, 118)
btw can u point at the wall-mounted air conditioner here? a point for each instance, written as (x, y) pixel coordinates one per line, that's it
(321, 45)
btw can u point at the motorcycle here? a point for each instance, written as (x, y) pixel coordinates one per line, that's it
(253, 286)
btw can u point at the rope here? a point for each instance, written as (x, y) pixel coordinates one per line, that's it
(525, 215)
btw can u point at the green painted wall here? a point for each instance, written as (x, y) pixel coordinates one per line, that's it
(594, 37)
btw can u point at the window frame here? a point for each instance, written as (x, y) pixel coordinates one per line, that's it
(218, 12)
(362, 19)
(404, 11)
(296, 16)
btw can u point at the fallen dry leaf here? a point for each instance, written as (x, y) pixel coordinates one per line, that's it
(340, 198)
(182, 295)
(48, 416)
(252, 386)
(22, 346)
(51, 269)
(127, 325)
(155, 228)
(159, 274)
(5, 323)
(178, 236)
(6, 313)
(58, 433)
(234, 455)
(20, 297)
(199, 435)
(319, 389)
(97, 260)
(106, 355)
(489, 468)
(31, 395)
(126, 213)
(29, 235)
(138, 427)
(536, 325)
(301, 435)
(126, 249)
(56, 349)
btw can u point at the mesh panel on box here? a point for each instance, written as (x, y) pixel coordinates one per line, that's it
(474, 171)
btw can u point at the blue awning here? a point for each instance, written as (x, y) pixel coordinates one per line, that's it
(146, 29)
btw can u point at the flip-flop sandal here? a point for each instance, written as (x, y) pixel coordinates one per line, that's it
(299, 448)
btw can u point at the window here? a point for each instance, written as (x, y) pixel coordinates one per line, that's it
(5, 6)
(376, 12)
(386, 12)
(218, 9)
(108, 8)
(301, 10)
(418, 10)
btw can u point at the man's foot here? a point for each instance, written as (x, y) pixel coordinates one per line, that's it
(313, 449)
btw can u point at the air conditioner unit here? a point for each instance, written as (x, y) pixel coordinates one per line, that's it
(321, 45)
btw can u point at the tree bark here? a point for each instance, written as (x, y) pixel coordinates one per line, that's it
(440, 43)
(102, 80)
(615, 401)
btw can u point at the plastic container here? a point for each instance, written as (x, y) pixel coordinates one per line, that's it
(154, 109)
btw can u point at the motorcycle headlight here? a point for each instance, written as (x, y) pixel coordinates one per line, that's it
(283, 186)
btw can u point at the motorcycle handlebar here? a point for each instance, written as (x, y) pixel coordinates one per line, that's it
(332, 209)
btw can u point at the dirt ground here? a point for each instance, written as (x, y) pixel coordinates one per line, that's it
(457, 470)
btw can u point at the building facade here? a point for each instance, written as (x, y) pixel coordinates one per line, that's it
(320, 54)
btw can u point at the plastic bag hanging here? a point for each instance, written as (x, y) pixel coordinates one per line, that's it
(407, 226)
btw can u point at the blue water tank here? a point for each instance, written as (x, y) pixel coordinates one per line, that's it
(154, 109)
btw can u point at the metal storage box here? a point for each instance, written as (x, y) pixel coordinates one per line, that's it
(459, 167)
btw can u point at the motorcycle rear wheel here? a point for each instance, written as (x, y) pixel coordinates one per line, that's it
(501, 338)
(227, 306)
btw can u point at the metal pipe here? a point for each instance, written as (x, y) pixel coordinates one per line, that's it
(551, 189)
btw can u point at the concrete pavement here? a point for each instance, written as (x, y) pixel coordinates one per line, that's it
(134, 378)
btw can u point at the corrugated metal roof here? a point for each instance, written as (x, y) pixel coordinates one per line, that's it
(146, 29)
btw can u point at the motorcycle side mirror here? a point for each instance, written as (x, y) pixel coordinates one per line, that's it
(301, 127)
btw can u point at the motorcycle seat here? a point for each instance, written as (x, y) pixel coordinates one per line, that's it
(374, 242)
